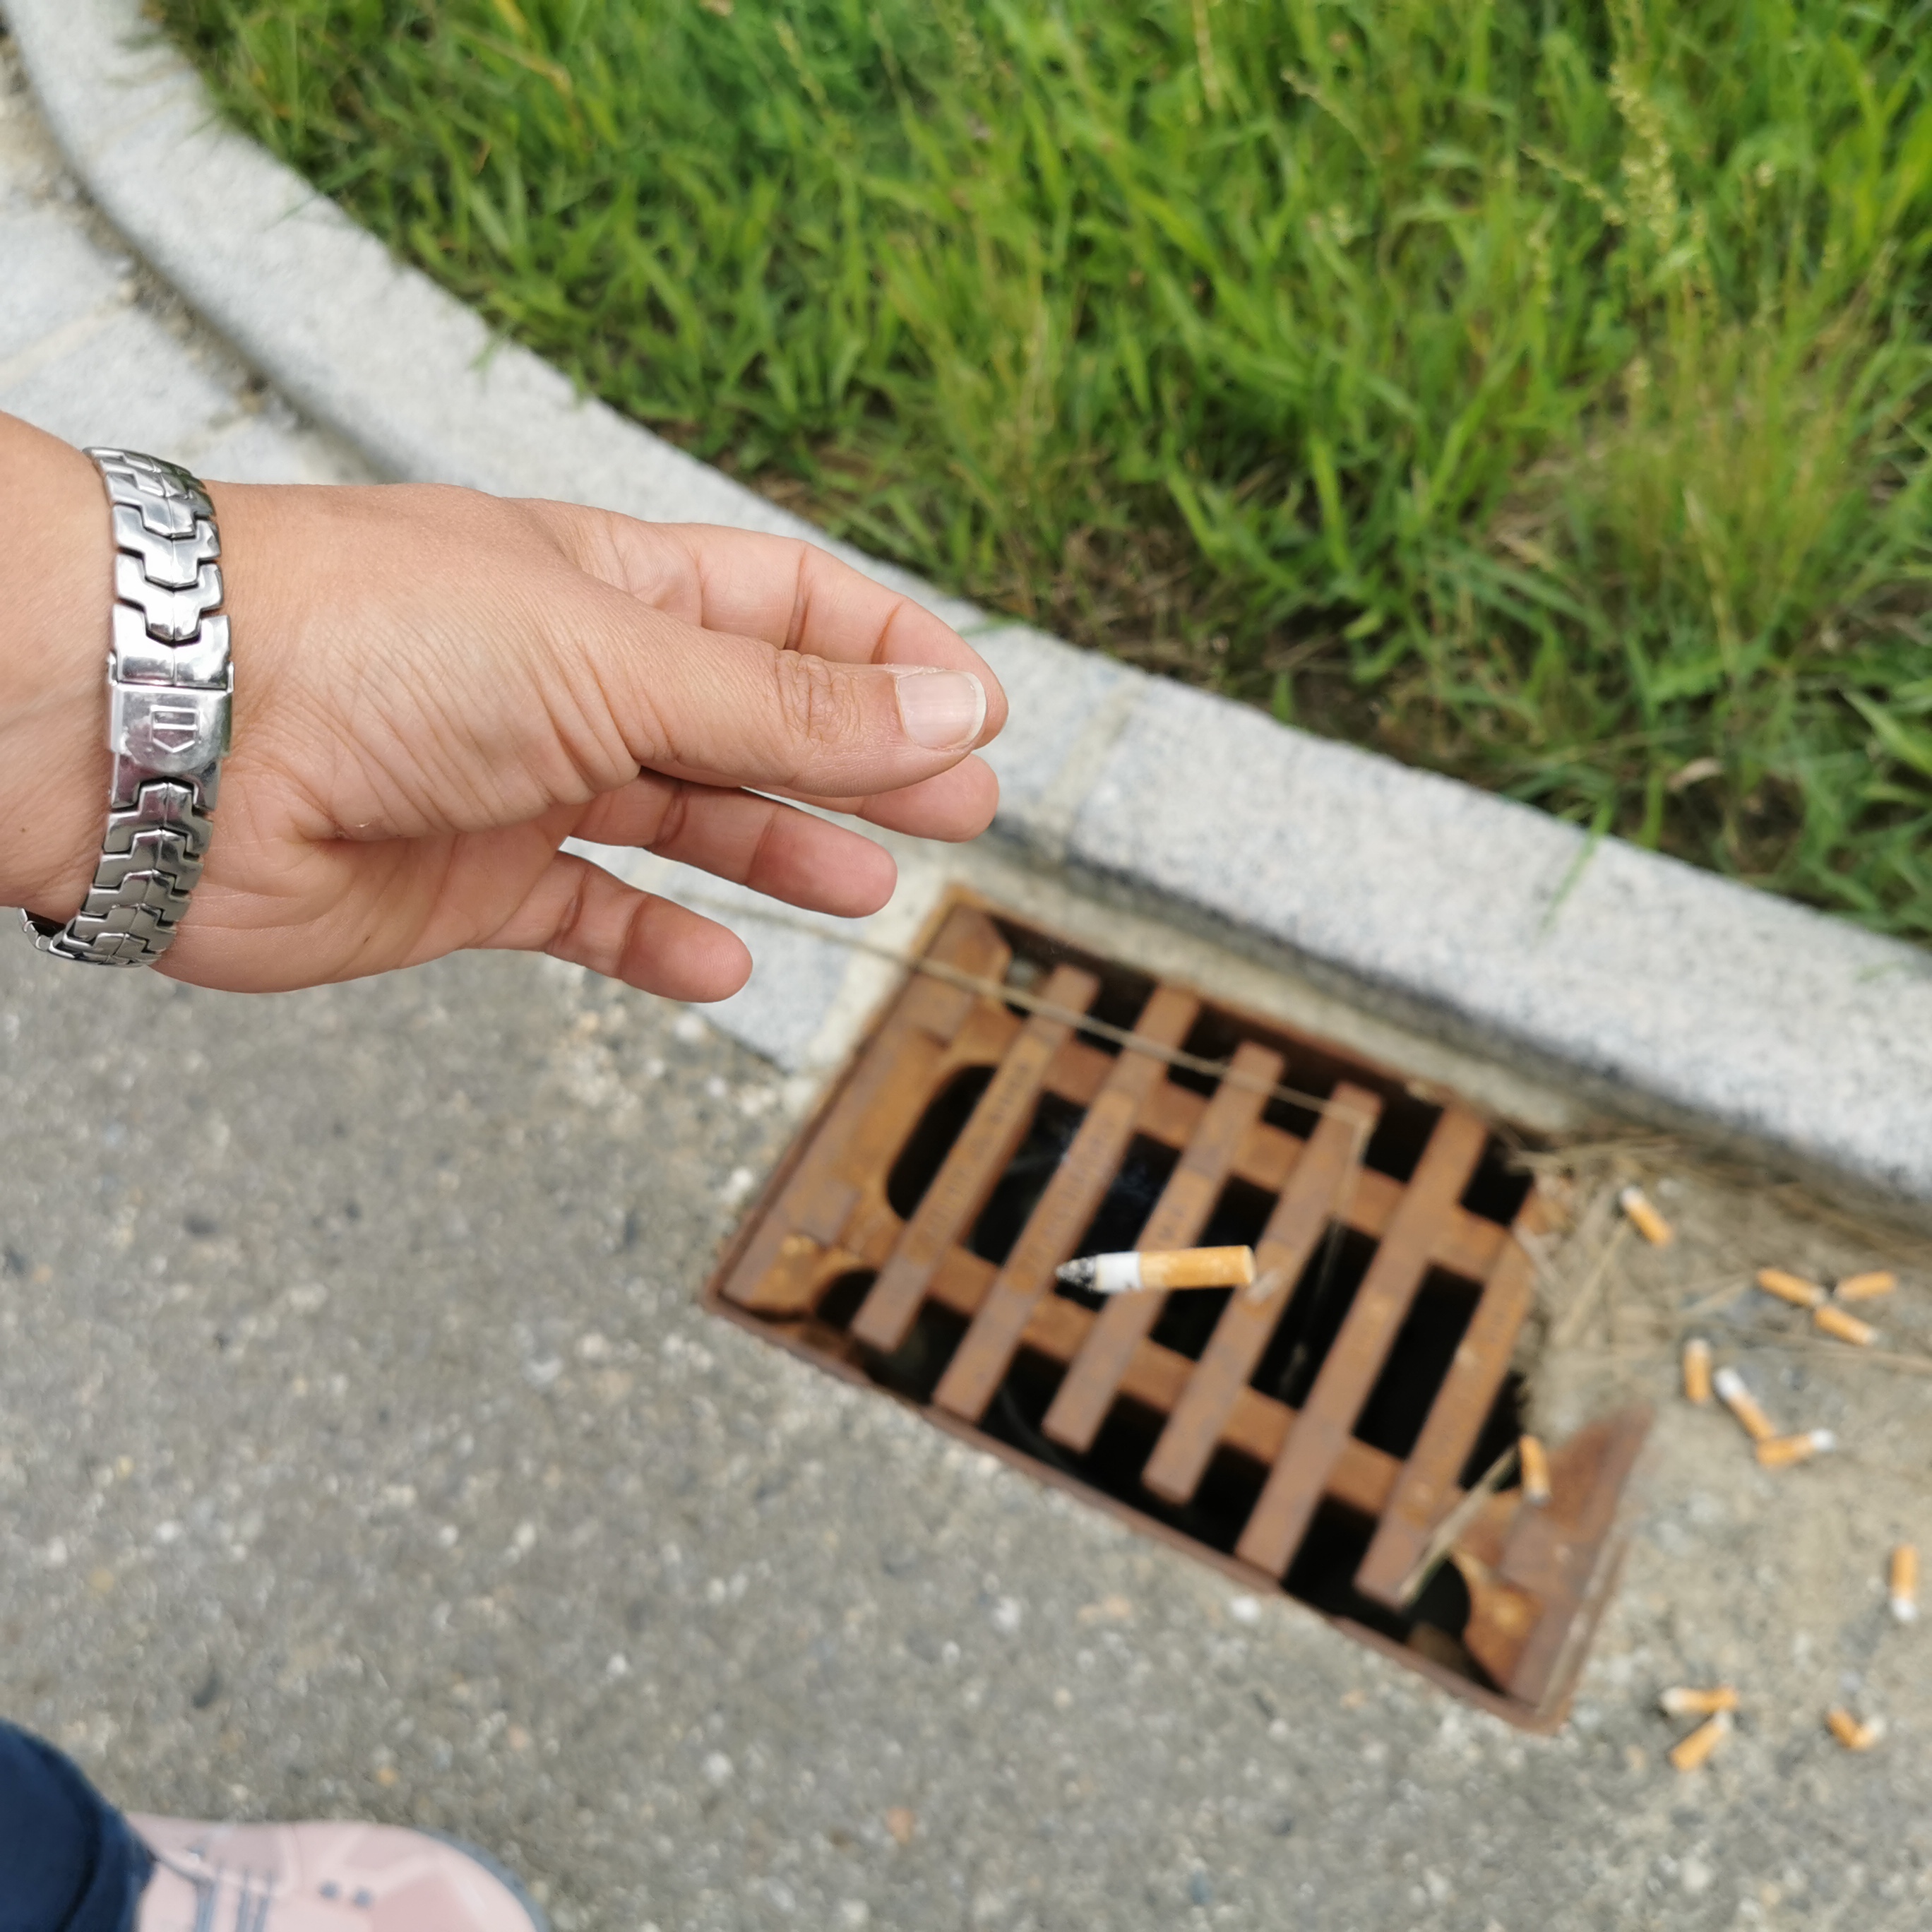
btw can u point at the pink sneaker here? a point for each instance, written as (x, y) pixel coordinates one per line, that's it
(322, 1878)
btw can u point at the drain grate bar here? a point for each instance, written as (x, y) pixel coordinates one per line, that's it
(1295, 1484)
(1068, 1204)
(973, 1167)
(1084, 1397)
(1256, 1425)
(977, 1141)
(1301, 1217)
(1456, 1419)
(777, 1274)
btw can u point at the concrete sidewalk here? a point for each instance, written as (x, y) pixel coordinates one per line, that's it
(402, 1476)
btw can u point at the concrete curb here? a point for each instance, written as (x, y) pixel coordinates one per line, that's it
(1666, 992)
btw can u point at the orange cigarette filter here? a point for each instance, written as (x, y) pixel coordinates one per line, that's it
(1199, 1268)
(1849, 1732)
(1132, 1271)
(1645, 1218)
(1685, 1700)
(1688, 1753)
(1697, 1370)
(1739, 1400)
(1904, 1584)
(1846, 1328)
(1780, 1452)
(1866, 1287)
(1792, 1287)
(1535, 1463)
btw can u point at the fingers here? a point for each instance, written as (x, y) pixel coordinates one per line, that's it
(576, 911)
(772, 848)
(957, 805)
(778, 589)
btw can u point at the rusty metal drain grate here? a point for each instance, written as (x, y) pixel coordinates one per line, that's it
(1022, 1101)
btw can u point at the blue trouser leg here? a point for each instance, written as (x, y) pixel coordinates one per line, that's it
(68, 1863)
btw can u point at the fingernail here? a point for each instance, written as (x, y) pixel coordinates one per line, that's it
(941, 709)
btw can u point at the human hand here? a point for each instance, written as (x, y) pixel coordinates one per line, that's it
(435, 688)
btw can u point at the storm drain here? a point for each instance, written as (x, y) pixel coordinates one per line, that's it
(1021, 1102)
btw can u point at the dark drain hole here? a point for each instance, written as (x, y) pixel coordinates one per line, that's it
(1313, 1318)
(1499, 1187)
(1011, 1204)
(932, 1140)
(1392, 1416)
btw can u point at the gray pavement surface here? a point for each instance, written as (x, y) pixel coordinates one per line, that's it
(363, 1450)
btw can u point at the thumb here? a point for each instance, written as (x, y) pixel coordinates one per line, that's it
(738, 711)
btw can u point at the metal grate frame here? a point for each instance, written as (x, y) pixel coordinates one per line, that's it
(980, 1136)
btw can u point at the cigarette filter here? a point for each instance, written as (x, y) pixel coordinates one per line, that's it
(1687, 1754)
(1697, 1370)
(1684, 1701)
(1849, 1732)
(1866, 1287)
(1535, 1464)
(1846, 1327)
(1905, 1584)
(1178, 1267)
(1780, 1452)
(1739, 1400)
(1645, 1218)
(1792, 1287)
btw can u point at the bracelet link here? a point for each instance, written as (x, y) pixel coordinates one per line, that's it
(164, 731)
(170, 684)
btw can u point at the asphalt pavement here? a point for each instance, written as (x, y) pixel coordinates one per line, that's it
(363, 1449)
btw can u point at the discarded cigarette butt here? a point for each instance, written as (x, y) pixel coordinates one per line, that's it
(1687, 1754)
(1739, 1400)
(1684, 1701)
(1905, 1584)
(1535, 1463)
(1792, 1287)
(1780, 1452)
(1697, 1370)
(1178, 1267)
(1645, 1218)
(1849, 1732)
(1866, 1287)
(1846, 1327)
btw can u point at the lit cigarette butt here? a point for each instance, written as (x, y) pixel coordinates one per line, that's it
(1846, 1327)
(1780, 1452)
(1697, 1370)
(1177, 1267)
(1645, 1218)
(1685, 1701)
(1866, 1287)
(1739, 1400)
(1905, 1584)
(1687, 1754)
(1849, 1732)
(1792, 1287)
(1535, 1463)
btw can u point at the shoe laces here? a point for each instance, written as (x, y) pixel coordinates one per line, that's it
(251, 1904)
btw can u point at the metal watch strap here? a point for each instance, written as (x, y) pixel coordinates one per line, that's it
(169, 695)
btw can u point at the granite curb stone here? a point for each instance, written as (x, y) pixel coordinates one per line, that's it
(1500, 926)
(1681, 996)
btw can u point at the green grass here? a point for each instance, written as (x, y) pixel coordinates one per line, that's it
(1540, 392)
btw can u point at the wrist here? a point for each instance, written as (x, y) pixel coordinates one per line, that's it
(54, 629)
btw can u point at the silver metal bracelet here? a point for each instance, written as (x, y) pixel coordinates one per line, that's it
(170, 687)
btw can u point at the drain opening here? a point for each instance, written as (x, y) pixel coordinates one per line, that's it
(1310, 1440)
